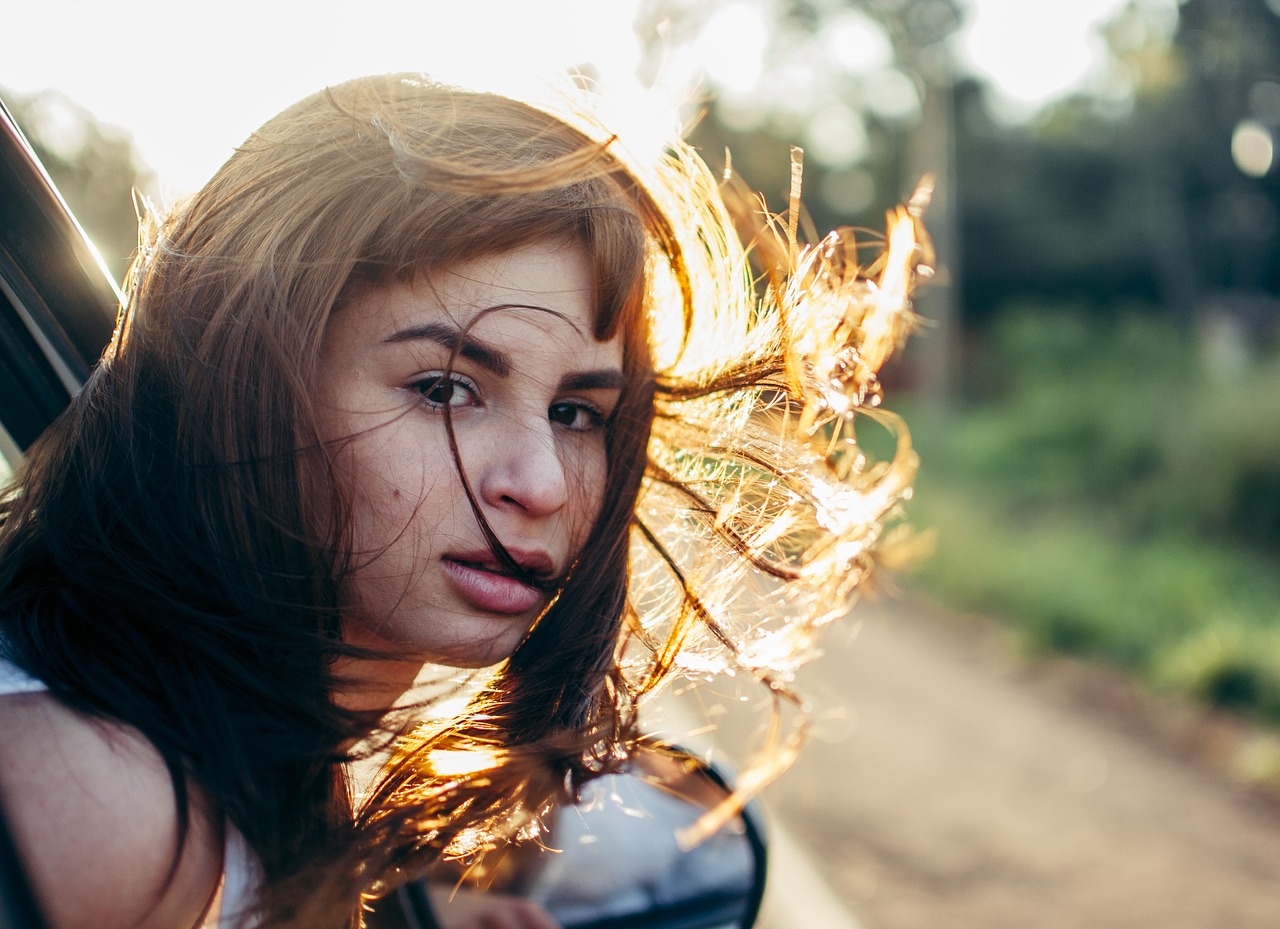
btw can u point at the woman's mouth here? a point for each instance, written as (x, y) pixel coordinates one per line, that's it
(487, 587)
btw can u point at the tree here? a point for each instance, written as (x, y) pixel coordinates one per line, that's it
(1143, 192)
(95, 167)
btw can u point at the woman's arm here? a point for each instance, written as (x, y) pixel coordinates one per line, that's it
(93, 815)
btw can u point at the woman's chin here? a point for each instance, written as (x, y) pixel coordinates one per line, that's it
(458, 637)
(480, 652)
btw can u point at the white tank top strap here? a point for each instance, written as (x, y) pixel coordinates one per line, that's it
(241, 881)
(13, 680)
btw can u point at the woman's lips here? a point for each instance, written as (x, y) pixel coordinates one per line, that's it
(491, 591)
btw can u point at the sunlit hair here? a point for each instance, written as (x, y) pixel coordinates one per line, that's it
(173, 550)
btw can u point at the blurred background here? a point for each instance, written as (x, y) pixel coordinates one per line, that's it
(1096, 390)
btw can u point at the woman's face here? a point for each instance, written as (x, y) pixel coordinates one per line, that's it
(528, 393)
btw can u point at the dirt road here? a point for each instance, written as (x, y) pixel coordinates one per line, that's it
(967, 790)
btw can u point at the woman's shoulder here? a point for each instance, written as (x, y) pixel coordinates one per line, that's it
(93, 813)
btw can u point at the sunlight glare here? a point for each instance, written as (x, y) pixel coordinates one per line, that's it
(446, 762)
(253, 59)
(1033, 52)
(731, 47)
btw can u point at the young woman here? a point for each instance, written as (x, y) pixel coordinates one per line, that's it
(420, 376)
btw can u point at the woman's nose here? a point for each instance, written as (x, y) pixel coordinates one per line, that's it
(526, 472)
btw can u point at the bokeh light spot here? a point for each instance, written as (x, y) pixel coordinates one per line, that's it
(892, 95)
(848, 191)
(1252, 148)
(836, 137)
(856, 44)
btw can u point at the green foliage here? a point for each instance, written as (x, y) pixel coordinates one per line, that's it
(1116, 493)
(1127, 418)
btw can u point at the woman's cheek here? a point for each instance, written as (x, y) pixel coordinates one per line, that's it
(591, 479)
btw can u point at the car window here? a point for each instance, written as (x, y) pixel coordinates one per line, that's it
(57, 301)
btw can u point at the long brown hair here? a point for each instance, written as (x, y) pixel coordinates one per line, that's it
(173, 548)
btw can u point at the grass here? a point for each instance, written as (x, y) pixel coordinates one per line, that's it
(1112, 496)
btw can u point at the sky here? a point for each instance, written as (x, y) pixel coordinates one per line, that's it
(189, 81)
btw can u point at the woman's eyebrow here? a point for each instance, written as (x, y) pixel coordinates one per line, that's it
(498, 361)
(451, 337)
(605, 379)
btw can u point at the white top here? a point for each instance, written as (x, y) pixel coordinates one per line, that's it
(241, 877)
(241, 872)
(13, 680)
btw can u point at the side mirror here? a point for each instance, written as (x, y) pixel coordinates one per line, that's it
(614, 860)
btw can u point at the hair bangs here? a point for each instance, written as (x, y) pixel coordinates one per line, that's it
(426, 230)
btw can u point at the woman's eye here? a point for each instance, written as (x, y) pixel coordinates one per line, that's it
(445, 390)
(578, 416)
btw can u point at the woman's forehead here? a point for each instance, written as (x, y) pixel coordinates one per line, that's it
(558, 273)
(527, 300)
